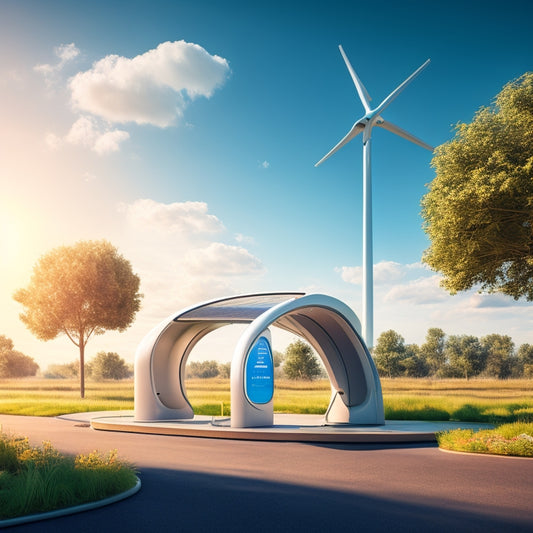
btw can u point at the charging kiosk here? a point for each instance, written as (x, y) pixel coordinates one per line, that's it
(326, 323)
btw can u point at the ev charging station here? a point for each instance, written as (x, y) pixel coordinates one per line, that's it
(327, 324)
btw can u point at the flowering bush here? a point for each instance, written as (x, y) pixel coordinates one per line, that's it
(509, 439)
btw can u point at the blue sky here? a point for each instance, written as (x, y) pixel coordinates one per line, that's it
(204, 176)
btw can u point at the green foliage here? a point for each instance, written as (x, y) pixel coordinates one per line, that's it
(203, 369)
(39, 479)
(109, 365)
(500, 358)
(510, 439)
(14, 364)
(478, 212)
(465, 354)
(301, 362)
(389, 352)
(224, 370)
(79, 291)
(278, 358)
(63, 371)
(432, 351)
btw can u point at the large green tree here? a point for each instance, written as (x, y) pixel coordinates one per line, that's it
(80, 291)
(389, 352)
(500, 355)
(301, 362)
(432, 351)
(478, 212)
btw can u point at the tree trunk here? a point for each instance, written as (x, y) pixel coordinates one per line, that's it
(82, 368)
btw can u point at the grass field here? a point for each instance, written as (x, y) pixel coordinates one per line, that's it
(496, 401)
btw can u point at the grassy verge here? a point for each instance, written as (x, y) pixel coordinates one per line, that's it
(40, 479)
(509, 439)
(493, 401)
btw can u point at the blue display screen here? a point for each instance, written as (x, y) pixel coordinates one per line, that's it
(260, 372)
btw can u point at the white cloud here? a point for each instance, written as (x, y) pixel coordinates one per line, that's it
(220, 259)
(110, 141)
(420, 291)
(87, 132)
(177, 217)
(265, 164)
(244, 239)
(65, 53)
(53, 141)
(351, 274)
(151, 88)
(385, 272)
(492, 301)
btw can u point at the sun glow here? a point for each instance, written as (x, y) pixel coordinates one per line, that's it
(10, 237)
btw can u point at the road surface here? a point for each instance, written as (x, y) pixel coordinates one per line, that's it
(203, 485)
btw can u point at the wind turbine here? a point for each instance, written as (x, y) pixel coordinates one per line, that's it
(364, 125)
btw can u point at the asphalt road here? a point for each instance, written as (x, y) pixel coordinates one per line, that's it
(203, 485)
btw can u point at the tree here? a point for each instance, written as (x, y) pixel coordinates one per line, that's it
(413, 363)
(478, 212)
(203, 370)
(63, 371)
(301, 362)
(79, 291)
(224, 370)
(432, 351)
(14, 364)
(389, 352)
(525, 359)
(500, 355)
(278, 358)
(109, 365)
(466, 355)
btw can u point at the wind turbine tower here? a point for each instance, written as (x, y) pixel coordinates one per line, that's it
(364, 125)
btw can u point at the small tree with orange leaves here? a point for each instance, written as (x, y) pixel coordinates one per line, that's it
(80, 291)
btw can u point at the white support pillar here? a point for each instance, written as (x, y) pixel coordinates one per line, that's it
(368, 260)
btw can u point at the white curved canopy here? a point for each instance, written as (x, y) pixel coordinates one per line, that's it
(326, 323)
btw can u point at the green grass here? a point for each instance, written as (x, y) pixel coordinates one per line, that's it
(40, 479)
(492, 401)
(514, 439)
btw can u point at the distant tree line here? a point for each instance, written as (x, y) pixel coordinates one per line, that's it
(105, 365)
(14, 364)
(299, 361)
(452, 356)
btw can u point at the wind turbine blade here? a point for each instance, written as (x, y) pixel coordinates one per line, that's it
(357, 128)
(402, 133)
(361, 90)
(392, 96)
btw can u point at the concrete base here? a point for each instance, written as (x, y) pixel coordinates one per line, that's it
(287, 427)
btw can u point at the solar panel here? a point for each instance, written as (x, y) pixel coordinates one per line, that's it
(238, 308)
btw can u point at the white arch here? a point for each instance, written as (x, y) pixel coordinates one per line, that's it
(329, 325)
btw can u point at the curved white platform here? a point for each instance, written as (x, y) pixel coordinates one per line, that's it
(287, 427)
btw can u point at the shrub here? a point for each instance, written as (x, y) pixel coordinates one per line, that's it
(509, 439)
(39, 479)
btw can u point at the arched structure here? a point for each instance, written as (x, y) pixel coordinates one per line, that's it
(329, 325)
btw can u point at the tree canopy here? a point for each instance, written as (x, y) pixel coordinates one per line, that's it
(80, 291)
(14, 364)
(478, 212)
(109, 365)
(301, 362)
(389, 352)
